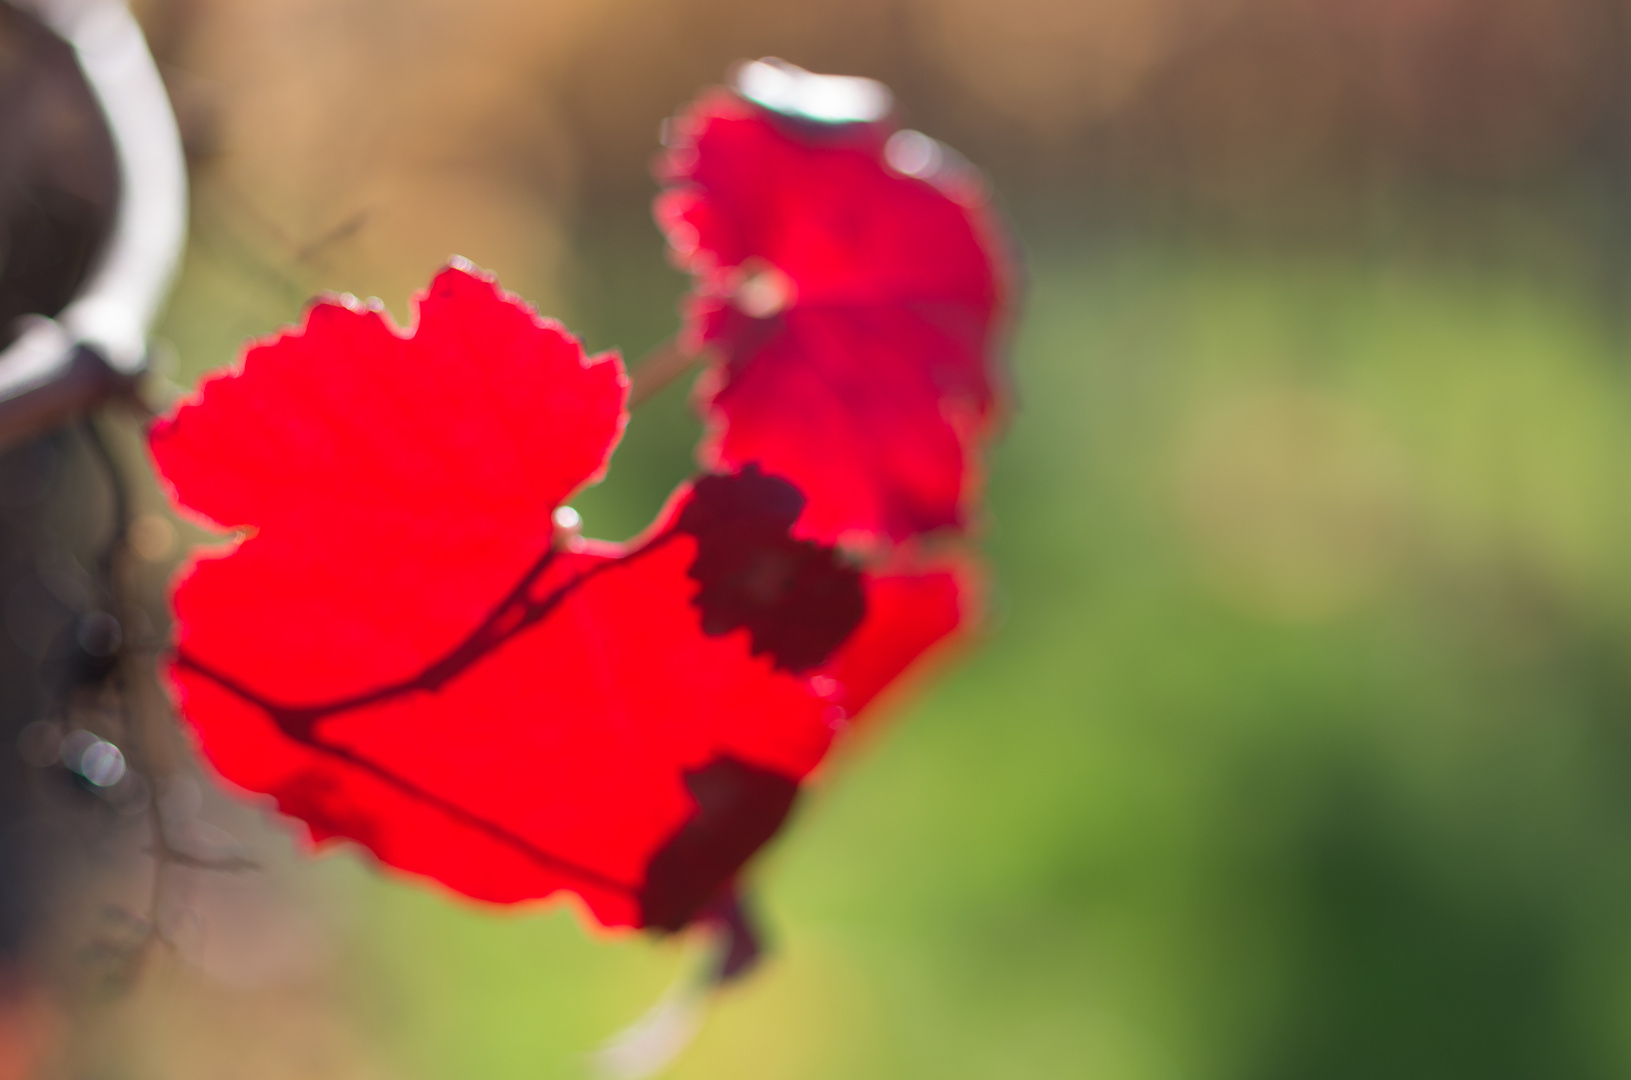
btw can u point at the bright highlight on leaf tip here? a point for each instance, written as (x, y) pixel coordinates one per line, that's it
(830, 99)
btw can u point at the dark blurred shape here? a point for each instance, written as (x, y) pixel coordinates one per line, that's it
(743, 945)
(27, 476)
(58, 179)
(797, 599)
(84, 653)
(85, 382)
(58, 192)
(33, 480)
(739, 808)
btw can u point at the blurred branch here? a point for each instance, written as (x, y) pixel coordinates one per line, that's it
(67, 380)
(146, 716)
(342, 232)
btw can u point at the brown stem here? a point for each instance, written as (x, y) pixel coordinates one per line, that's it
(660, 367)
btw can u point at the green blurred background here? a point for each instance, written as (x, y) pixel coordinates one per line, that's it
(1298, 742)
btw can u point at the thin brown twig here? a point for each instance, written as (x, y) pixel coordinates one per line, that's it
(342, 232)
(228, 864)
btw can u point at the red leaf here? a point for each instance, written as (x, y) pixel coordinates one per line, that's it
(388, 480)
(854, 281)
(907, 614)
(401, 654)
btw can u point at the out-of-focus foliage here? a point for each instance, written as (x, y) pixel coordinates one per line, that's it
(355, 142)
(1300, 743)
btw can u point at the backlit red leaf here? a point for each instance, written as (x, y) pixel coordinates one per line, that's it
(402, 652)
(853, 280)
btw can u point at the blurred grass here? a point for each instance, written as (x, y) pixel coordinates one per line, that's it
(1298, 744)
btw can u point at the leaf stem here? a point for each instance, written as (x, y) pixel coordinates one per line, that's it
(661, 366)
